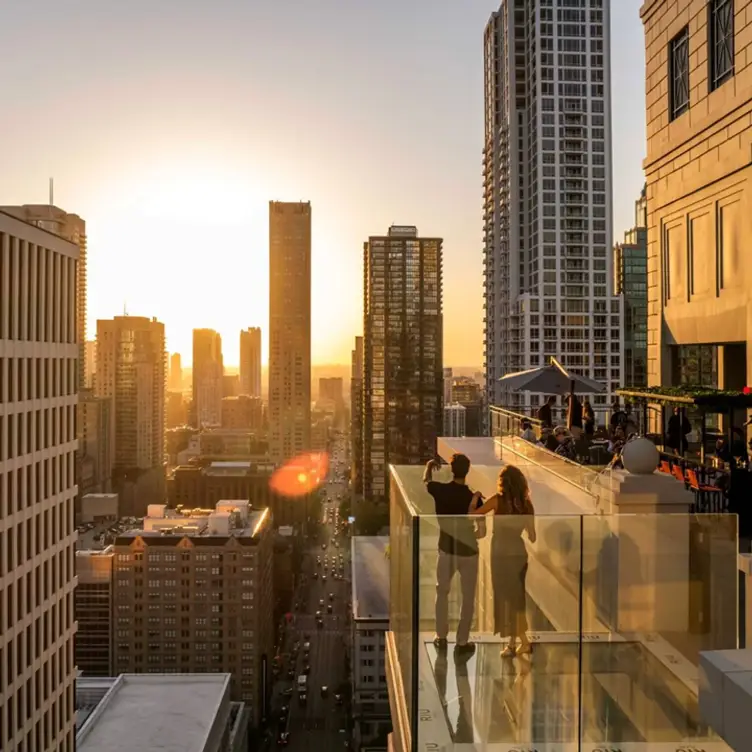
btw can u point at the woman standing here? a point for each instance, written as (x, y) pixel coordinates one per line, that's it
(514, 514)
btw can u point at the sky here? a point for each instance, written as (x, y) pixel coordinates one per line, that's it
(168, 125)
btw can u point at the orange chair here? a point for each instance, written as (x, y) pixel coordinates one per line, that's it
(700, 490)
(665, 467)
(678, 473)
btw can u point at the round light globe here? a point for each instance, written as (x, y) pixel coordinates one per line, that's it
(640, 456)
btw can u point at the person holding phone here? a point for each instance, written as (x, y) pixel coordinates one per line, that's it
(514, 516)
(458, 550)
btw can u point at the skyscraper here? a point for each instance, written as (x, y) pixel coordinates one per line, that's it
(250, 361)
(403, 382)
(289, 329)
(547, 195)
(356, 417)
(176, 373)
(208, 370)
(72, 228)
(131, 365)
(39, 351)
(631, 281)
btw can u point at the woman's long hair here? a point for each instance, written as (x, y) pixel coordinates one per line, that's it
(513, 489)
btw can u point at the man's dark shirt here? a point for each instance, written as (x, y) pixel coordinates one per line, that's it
(455, 536)
(545, 416)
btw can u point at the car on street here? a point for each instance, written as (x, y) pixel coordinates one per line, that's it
(324, 690)
(291, 673)
(329, 609)
(331, 596)
(323, 578)
(287, 692)
(318, 615)
(315, 575)
(321, 601)
(302, 699)
(319, 623)
(323, 546)
(306, 647)
(283, 739)
(338, 699)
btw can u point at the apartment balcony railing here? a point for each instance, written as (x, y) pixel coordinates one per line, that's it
(618, 609)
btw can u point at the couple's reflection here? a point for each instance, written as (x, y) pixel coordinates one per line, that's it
(459, 705)
(502, 715)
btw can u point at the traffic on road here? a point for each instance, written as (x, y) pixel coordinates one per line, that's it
(311, 699)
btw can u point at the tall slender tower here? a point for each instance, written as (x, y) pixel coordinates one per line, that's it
(176, 373)
(250, 361)
(403, 384)
(289, 329)
(39, 351)
(208, 370)
(547, 206)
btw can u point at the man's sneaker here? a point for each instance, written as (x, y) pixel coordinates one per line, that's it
(467, 649)
(440, 643)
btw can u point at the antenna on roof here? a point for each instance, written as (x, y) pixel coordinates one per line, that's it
(125, 308)
(52, 191)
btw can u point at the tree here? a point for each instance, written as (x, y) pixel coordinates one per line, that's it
(370, 518)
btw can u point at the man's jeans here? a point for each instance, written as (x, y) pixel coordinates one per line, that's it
(447, 565)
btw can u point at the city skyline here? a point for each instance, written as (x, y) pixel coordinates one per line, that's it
(149, 163)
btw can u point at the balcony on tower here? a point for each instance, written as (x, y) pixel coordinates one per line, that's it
(618, 595)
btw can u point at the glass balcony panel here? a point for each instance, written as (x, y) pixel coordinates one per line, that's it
(657, 590)
(617, 608)
(403, 592)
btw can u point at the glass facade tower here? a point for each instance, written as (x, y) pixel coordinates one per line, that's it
(402, 354)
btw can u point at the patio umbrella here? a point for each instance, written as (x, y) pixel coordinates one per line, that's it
(551, 379)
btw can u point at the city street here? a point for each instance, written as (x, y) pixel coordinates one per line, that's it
(321, 722)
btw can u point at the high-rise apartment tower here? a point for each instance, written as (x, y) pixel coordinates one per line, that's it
(289, 329)
(39, 351)
(131, 366)
(403, 385)
(250, 361)
(356, 417)
(547, 195)
(72, 228)
(208, 370)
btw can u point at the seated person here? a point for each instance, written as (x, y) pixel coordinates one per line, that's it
(527, 432)
(565, 443)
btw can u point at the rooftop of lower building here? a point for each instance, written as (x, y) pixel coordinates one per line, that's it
(370, 577)
(150, 712)
(229, 519)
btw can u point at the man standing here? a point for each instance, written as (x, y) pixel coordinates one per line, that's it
(458, 550)
(546, 414)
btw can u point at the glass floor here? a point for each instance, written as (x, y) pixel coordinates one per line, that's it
(628, 696)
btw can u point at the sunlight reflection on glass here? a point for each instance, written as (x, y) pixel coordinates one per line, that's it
(300, 475)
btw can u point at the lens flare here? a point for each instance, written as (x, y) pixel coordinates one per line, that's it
(301, 475)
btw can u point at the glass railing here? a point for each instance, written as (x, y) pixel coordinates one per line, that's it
(616, 610)
(592, 474)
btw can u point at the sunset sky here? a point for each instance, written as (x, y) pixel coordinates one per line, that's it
(169, 124)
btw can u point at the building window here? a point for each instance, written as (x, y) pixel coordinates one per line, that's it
(720, 41)
(678, 73)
